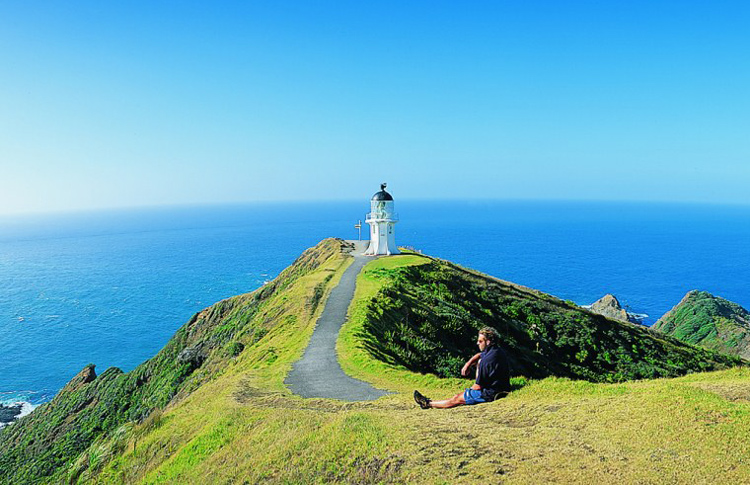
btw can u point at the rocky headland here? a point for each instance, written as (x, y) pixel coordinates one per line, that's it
(712, 322)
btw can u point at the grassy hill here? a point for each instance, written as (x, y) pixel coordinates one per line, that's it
(426, 314)
(709, 321)
(211, 407)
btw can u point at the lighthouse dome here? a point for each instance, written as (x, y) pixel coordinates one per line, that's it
(382, 195)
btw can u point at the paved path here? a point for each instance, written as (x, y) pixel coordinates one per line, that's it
(318, 373)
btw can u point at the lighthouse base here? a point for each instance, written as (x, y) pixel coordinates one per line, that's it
(375, 249)
(382, 238)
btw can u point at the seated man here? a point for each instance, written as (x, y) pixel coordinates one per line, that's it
(493, 375)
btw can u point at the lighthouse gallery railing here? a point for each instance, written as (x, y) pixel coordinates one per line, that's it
(374, 216)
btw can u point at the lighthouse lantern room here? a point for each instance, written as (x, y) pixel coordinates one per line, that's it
(382, 219)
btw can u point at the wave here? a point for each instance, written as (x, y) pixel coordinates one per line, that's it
(34, 397)
(638, 316)
(26, 409)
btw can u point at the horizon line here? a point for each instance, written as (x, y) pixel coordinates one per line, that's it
(217, 204)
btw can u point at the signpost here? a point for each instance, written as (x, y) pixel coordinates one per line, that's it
(358, 227)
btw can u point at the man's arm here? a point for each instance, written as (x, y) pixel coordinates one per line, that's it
(469, 364)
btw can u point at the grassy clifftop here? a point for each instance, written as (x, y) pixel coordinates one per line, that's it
(211, 407)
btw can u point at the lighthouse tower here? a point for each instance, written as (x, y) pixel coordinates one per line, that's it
(382, 220)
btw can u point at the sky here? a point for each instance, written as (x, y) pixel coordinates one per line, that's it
(126, 104)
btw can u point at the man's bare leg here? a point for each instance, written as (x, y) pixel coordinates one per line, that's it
(457, 400)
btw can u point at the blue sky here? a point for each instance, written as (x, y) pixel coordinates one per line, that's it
(135, 104)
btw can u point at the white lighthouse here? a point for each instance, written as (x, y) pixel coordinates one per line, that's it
(382, 219)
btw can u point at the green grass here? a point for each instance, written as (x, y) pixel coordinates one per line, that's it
(248, 424)
(709, 321)
(422, 315)
(241, 425)
(358, 362)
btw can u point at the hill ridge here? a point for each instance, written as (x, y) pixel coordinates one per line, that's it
(713, 322)
(212, 404)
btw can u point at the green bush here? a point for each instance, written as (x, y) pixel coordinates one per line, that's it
(235, 348)
(426, 318)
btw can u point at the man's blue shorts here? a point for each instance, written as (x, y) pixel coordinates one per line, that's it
(473, 396)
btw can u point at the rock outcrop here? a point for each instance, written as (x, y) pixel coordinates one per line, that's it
(709, 321)
(87, 374)
(9, 413)
(610, 307)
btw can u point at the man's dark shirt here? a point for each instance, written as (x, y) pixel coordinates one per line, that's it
(493, 375)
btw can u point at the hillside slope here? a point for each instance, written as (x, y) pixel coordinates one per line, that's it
(425, 316)
(211, 407)
(709, 321)
(89, 407)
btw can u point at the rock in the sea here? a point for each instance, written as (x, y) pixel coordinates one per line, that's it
(9, 413)
(610, 307)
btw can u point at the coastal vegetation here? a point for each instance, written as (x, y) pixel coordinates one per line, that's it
(91, 408)
(426, 314)
(709, 321)
(212, 405)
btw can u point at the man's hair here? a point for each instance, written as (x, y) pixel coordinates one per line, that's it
(490, 334)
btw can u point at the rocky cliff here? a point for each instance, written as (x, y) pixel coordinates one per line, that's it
(8, 413)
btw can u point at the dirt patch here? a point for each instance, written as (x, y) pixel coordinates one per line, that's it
(246, 392)
(378, 470)
(250, 395)
(739, 391)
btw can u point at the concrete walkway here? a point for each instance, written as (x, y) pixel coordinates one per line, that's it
(318, 373)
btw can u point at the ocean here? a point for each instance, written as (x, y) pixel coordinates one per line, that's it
(110, 288)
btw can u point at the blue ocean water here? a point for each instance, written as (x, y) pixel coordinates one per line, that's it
(110, 288)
